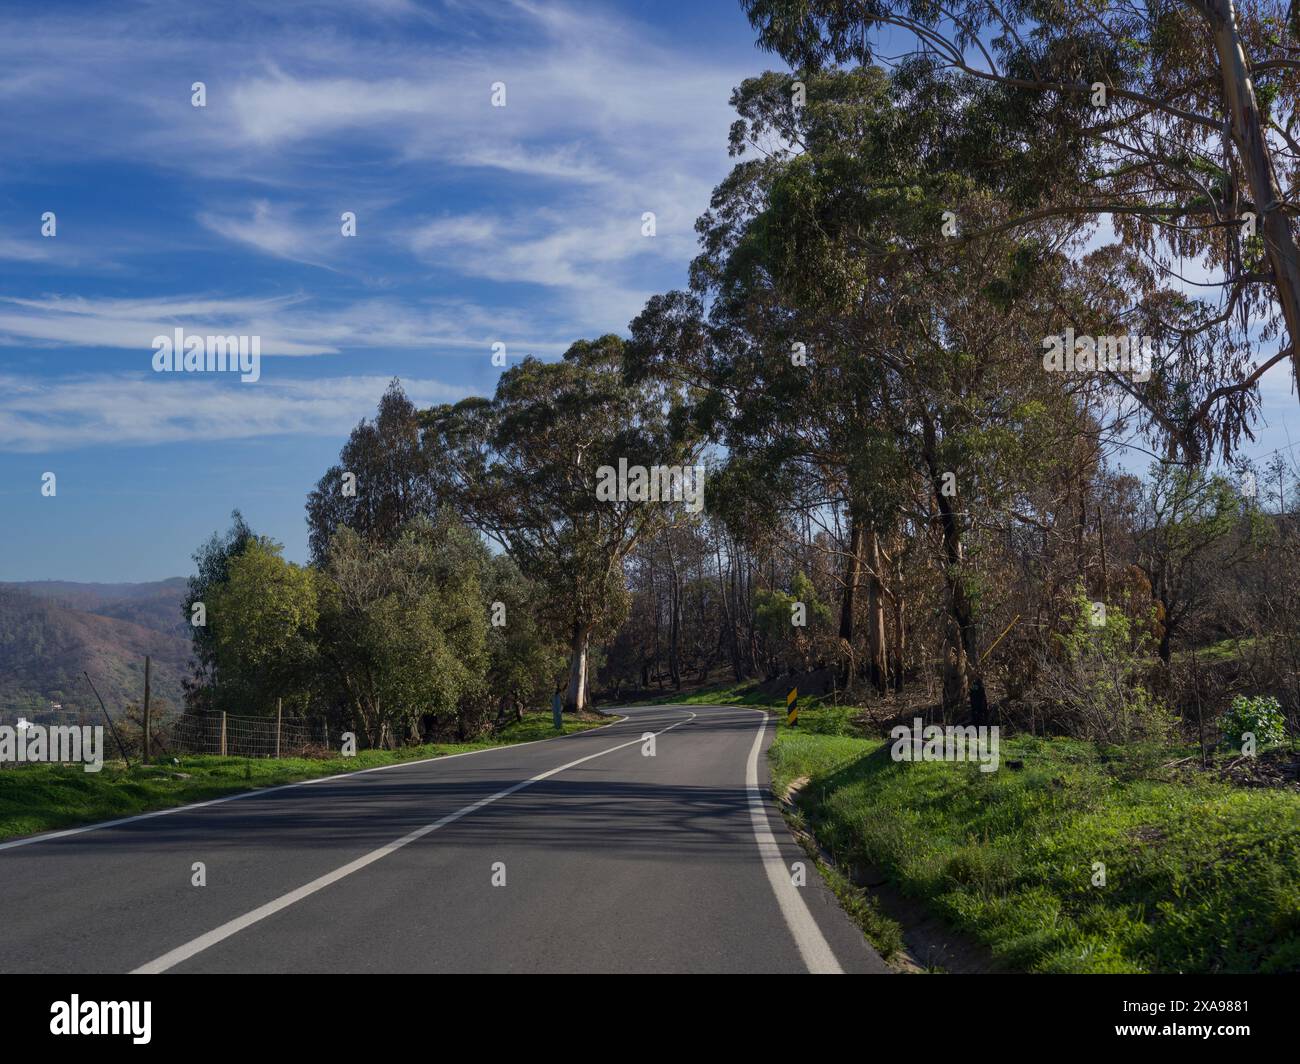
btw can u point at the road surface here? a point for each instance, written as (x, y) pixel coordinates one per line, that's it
(612, 861)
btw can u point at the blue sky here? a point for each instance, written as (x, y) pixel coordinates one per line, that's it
(475, 224)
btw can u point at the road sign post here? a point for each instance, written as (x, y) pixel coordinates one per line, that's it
(792, 708)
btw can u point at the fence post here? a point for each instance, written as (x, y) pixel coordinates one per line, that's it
(223, 733)
(278, 711)
(146, 709)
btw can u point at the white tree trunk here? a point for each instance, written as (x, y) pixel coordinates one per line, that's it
(1257, 161)
(575, 699)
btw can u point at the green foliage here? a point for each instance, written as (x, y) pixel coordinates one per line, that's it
(774, 612)
(262, 620)
(1260, 716)
(525, 659)
(404, 627)
(390, 633)
(1114, 637)
(1189, 517)
(1098, 686)
(523, 467)
(212, 563)
(394, 485)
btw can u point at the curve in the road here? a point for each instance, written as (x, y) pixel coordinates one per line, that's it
(618, 862)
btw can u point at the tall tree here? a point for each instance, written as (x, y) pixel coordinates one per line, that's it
(262, 617)
(525, 466)
(858, 384)
(1175, 119)
(212, 561)
(404, 626)
(381, 481)
(1187, 516)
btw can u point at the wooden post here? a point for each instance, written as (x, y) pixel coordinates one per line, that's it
(146, 709)
(111, 726)
(223, 733)
(278, 717)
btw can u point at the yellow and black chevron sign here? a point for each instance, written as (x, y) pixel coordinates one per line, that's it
(792, 707)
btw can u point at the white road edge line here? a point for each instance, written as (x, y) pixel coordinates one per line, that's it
(195, 946)
(49, 836)
(817, 954)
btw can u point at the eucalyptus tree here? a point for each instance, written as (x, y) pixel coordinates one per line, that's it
(381, 481)
(212, 563)
(527, 467)
(403, 627)
(780, 365)
(848, 352)
(1173, 118)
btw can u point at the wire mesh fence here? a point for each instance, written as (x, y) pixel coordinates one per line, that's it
(14, 718)
(23, 726)
(226, 734)
(236, 736)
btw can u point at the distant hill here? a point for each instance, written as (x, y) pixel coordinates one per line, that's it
(154, 605)
(50, 631)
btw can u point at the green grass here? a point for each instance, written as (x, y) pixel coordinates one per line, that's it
(885, 934)
(35, 798)
(745, 693)
(735, 694)
(1200, 876)
(1224, 650)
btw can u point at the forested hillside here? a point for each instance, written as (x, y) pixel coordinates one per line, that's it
(155, 604)
(45, 647)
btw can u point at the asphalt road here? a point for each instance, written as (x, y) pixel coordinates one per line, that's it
(613, 861)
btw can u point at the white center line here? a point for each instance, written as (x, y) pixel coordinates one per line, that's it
(231, 927)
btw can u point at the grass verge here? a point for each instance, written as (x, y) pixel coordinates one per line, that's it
(1200, 876)
(36, 798)
(884, 933)
(735, 694)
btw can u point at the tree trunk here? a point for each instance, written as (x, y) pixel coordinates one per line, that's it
(1256, 160)
(675, 625)
(876, 616)
(956, 676)
(965, 661)
(852, 576)
(1105, 565)
(1166, 639)
(726, 595)
(900, 630)
(575, 698)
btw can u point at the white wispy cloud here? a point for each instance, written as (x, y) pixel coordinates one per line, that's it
(605, 119)
(23, 250)
(67, 413)
(288, 325)
(132, 324)
(273, 231)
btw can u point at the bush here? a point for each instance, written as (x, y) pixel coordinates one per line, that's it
(1094, 686)
(1260, 717)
